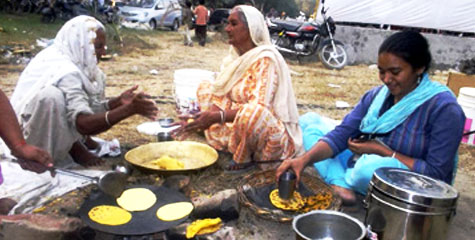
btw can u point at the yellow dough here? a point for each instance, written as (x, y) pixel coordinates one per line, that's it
(203, 226)
(293, 204)
(174, 211)
(109, 215)
(168, 163)
(136, 199)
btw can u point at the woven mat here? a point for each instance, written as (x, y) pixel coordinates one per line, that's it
(254, 190)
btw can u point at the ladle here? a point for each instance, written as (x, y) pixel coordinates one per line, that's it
(111, 183)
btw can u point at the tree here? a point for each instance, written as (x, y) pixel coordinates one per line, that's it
(287, 6)
(220, 3)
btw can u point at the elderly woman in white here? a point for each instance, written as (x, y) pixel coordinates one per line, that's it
(250, 110)
(59, 98)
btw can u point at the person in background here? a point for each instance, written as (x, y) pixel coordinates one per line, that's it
(187, 16)
(410, 122)
(202, 18)
(59, 99)
(29, 157)
(272, 14)
(250, 109)
(283, 15)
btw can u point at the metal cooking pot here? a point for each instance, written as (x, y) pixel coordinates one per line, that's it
(405, 205)
(326, 224)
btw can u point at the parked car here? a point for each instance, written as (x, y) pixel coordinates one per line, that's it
(155, 13)
(218, 19)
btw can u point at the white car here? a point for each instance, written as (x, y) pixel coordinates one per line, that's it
(155, 13)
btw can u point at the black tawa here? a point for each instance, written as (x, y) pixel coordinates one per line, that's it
(142, 222)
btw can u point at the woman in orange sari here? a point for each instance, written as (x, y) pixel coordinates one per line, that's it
(250, 110)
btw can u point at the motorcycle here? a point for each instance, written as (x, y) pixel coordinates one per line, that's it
(308, 38)
(110, 14)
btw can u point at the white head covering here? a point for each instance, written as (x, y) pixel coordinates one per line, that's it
(234, 66)
(257, 25)
(72, 52)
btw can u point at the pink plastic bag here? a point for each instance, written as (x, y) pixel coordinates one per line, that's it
(1, 177)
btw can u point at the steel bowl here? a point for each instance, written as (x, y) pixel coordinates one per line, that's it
(326, 224)
(165, 122)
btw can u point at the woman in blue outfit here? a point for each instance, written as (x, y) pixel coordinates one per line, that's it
(410, 122)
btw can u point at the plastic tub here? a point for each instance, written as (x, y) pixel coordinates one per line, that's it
(186, 82)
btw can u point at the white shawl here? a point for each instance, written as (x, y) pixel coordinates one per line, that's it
(72, 52)
(234, 66)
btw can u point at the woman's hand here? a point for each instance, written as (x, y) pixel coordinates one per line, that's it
(196, 122)
(368, 147)
(33, 158)
(202, 121)
(123, 99)
(128, 95)
(140, 104)
(296, 164)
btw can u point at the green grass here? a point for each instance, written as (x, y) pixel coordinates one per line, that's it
(26, 28)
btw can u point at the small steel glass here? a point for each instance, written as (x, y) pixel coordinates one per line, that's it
(287, 185)
(164, 136)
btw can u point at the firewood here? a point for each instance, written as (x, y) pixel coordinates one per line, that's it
(224, 204)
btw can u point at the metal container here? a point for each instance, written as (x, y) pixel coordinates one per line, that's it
(166, 122)
(326, 224)
(287, 184)
(405, 205)
(164, 136)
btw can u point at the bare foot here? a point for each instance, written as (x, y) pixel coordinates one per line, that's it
(348, 197)
(83, 157)
(6, 204)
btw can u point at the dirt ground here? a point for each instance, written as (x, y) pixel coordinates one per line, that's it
(316, 89)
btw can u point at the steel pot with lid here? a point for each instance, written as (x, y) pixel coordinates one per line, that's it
(405, 205)
(327, 224)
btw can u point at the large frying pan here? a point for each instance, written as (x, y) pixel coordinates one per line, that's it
(143, 222)
(193, 155)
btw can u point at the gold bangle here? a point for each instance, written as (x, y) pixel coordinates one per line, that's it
(106, 117)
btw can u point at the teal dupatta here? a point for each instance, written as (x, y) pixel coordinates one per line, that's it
(372, 123)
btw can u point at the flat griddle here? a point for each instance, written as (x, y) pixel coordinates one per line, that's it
(143, 222)
(254, 190)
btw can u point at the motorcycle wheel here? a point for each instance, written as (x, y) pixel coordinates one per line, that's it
(333, 58)
(274, 37)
